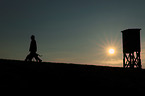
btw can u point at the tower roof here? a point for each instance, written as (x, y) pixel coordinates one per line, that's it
(131, 30)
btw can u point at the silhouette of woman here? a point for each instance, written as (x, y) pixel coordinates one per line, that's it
(33, 50)
(33, 45)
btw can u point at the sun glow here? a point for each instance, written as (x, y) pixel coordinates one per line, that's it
(111, 51)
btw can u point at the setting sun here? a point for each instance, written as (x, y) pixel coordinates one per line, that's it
(111, 51)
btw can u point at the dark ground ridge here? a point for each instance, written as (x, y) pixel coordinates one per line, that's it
(15, 73)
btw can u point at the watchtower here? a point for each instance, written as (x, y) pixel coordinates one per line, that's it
(131, 48)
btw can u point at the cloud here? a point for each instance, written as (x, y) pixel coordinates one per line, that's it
(112, 62)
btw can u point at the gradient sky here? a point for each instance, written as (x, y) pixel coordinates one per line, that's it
(72, 31)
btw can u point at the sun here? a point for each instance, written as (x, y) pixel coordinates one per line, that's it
(111, 51)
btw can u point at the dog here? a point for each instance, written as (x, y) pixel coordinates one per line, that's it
(33, 55)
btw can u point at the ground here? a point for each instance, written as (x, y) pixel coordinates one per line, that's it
(21, 74)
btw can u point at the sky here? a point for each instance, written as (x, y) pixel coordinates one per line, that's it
(71, 31)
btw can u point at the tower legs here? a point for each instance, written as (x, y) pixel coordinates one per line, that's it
(132, 60)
